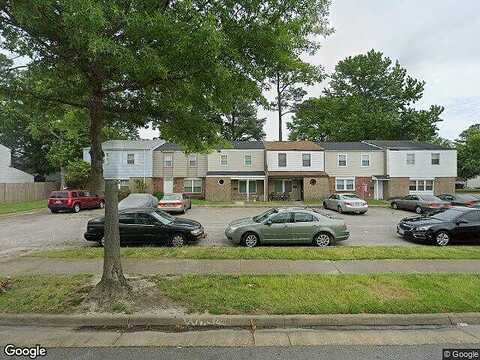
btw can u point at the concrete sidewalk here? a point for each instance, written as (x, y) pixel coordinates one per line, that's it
(26, 265)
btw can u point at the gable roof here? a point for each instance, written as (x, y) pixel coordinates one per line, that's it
(238, 145)
(303, 145)
(405, 145)
(142, 144)
(348, 146)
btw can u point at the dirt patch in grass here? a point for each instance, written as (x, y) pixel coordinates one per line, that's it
(390, 291)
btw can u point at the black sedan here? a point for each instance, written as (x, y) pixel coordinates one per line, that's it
(461, 200)
(148, 226)
(443, 226)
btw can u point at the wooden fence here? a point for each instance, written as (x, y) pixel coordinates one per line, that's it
(12, 193)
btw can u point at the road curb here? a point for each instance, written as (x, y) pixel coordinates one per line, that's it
(238, 321)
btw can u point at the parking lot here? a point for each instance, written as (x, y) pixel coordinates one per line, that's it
(43, 229)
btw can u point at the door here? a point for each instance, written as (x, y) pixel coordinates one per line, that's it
(168, 186)
(296, 193)
(378, 190)
(302, 228)
(277, 229)
(468, 227)
(127, 226)
(148, 229)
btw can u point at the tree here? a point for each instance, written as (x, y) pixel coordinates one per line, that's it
(287, 81)
(468, 152)
(368, 97)
(167, 62)
(242, 123)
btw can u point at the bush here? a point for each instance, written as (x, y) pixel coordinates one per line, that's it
(77, 174)
(158, 195)
(140, 185)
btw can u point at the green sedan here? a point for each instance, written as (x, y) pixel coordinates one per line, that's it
(287, 226)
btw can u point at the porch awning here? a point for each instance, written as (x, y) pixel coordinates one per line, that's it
(381, 177)
(296, 174)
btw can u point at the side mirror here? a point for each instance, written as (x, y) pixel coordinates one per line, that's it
(268, 222)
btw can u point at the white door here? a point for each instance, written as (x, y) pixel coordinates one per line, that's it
(167, 186)
(378, 191)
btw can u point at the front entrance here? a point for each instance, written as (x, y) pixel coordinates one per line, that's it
(378, 190)
(168, 186)
(286, 189)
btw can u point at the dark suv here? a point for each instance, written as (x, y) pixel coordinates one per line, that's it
(443, 226)
(74, 200)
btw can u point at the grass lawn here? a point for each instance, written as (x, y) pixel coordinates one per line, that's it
(42, 294)
(275, 253)
(373, 202)
(22, 206)
(325, 294)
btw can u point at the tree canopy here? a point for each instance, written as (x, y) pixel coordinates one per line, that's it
(368, 97)
(242, 123)
(468, 150)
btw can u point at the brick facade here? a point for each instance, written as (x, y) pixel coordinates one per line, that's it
(157, 184)
(214, 191)
(396, 187)
(364, 187)
(444, 185)
(316, 188)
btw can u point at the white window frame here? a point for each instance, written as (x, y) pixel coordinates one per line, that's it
(338, 160)
(424, 183)
(245, 160)
(106, 158)
(128, 160)
(168, 163)
(247, 184)
(410, 162)
(361, 160)
(431, 158)
(278, 160)
(309, 160)
(192, 185)
(345, 181)
(192, 158)
(223, 156)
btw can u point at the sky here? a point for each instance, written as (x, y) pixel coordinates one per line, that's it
(435, 40)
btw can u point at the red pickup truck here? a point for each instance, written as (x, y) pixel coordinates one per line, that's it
(74, 200)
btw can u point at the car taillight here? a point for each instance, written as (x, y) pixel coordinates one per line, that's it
(69, 201)
(433, 205)
(471, 203)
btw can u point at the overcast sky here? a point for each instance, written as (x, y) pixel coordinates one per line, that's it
(435, 40)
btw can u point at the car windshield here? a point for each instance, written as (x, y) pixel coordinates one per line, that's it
(429, 198)
(446, 215)
(264, 216)
(172, 197)
(163, 217)
(59, 194)
(350, 196)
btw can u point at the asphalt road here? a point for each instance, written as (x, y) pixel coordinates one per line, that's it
(43, 229)
(359, 352)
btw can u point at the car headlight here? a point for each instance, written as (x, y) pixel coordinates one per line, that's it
(196, 232)
(423, 228)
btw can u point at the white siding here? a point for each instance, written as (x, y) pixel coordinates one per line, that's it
(294, 161)
(9, 174)
(422, 169)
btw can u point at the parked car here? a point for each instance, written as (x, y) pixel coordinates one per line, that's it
(461, 199)
(346, 203)
(138, 201)
(287, 226)
(443, 226)
(419, 203)
(175, 203)
(74, 200)
(148, 226)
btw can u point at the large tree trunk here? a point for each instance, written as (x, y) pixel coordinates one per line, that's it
(113, 284)
(96, 152)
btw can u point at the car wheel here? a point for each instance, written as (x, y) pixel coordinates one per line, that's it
(339, 209)
(76, 208)
(178, 240)
(102, 204)
(395, 205)
(442, 238)
(322, 239)
(250, 240)
(418, 210)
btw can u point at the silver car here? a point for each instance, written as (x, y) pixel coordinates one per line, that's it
(287, 226)
(175, 203)
(346, 203)
(420, 203)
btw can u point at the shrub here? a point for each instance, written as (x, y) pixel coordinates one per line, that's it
(140, 185)
(77, 174)
(158, 195)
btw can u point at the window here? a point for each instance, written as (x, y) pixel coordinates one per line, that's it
(126, 219)
(365, 160)
(252, 187)
(74, 194)
(106, 159)
(342, 160)
(223, 160)
(145, 219)
(342, 184)
(306, 160)
(472, 216)
(278, 186)
(421, 185)
(282, 160)
(168, 160)
(410, 159)
(281, 218)
(282, 186)
(221, 182)
(130, 159)
(193, 186)
(435, 158)
(248, 160)
(192, 160)
(303, 217)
